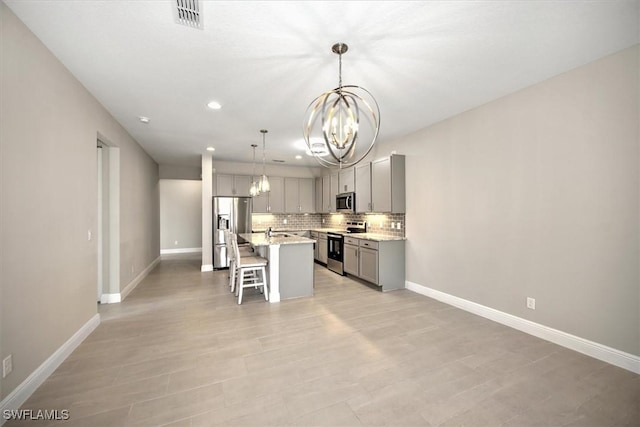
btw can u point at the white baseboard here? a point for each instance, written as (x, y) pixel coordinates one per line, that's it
(180, 251)
(206, 267)
(20, 394)
(602, 352)
(110, 298)
(139, 278)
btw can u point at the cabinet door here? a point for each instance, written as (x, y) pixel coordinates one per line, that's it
(351, 260)
(347, 181)
(318, 207)
(381, 185)
(363, 188)
(261, 203)
(322, 249)
(369, 265)
(291, 195)
(333, 190)
(242, 184)
(326, 194)
(306, 186)
(276, 195)
(224, 185)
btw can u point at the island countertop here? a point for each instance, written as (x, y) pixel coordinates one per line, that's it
(260, 239)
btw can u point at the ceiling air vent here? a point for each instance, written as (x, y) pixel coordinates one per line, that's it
(188, 13)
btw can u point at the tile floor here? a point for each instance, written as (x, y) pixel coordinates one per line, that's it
(180, 352)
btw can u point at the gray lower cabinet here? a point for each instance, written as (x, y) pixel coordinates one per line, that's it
(322, 247)
(380, 263)
(351, 259)
(369, 265)
(320, 253)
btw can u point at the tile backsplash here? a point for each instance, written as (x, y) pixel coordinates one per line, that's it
(293, 221)
(376, 223)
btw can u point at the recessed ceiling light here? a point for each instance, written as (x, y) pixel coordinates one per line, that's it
(144, 119)
(298, 156)
(214, 105)
(211, 149)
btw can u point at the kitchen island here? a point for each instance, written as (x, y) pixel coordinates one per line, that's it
(290, 268)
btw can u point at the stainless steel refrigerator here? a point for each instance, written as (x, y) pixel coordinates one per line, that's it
(233, 214)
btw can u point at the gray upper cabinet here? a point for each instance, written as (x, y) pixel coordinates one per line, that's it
(306, 188)
(319, 205)
(363, 188)
(346, 181)
(299, 195)
(233, 185)
(333, 190)
(272, 201)
(291, 195)
(329, 192)
(276, 195)
(261, 203)
(388, 184)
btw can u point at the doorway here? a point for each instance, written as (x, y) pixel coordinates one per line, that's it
(108, 275)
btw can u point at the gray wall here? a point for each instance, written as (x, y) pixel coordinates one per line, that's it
(536, 195)
(48, 188)
(180, 214)
(180, 172)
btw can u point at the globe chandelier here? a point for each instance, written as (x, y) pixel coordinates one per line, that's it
(338, 115)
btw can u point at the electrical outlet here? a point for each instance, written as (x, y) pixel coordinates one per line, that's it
(7, 366)
(89, 235)
(393, 225)
(398, 226)
(531, 303)
(323, 220)
(284, 221)
(175, 242)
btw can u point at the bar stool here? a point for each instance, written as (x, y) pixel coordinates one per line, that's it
(247, 268)
(231, 257)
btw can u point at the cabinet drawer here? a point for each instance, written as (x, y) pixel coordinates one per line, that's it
(351, 241)
(369, 244)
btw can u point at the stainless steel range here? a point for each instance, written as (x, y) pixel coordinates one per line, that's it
(335, 246)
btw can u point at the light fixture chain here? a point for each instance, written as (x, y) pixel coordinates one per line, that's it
(340, 71)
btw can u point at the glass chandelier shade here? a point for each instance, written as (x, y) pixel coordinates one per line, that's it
(334, 119)
(254, 190)
(263, 184)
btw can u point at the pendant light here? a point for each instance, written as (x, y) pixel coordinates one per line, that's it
(254, 190)
(264, 185)
(336, 116)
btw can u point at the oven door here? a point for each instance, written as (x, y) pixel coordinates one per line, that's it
(335, 245)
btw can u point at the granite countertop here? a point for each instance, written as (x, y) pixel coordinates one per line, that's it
(259, 239)
(375, 237)
(367, 236)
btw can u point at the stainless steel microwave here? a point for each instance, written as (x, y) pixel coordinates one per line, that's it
(346, 202)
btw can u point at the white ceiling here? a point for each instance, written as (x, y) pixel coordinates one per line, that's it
(266, 61)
